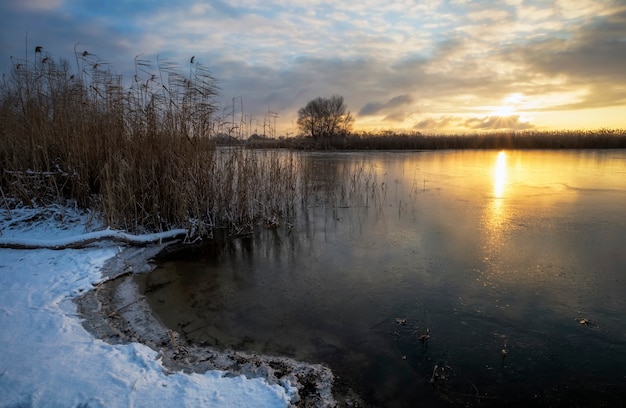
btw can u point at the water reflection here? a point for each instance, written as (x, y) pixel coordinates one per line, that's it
(498, 248)
(497, 215)
(499, 175)
(494, 220)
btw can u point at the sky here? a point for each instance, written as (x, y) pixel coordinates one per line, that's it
(432, 66)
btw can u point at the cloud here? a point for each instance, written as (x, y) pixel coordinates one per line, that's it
(371, 108)
(452, 123)
(399, 101)
(596, 52)
(438, 123)
(39, 5)
(394, 109)
(511, 122)
(225, 9)
(444, 60)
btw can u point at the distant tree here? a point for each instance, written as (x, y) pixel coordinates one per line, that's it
(325, 118)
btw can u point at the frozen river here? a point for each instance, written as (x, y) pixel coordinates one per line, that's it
(463, 277)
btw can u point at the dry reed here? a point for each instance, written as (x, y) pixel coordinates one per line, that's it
(142, 155)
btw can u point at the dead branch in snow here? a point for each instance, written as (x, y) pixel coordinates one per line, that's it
(82, 241)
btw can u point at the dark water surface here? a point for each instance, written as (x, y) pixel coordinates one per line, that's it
(497, 257)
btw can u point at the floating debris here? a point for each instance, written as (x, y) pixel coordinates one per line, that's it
(504, 352)
(439, 375)
(584, 321)
(401, 321)
(423, 338)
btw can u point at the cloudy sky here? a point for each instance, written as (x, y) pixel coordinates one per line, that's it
(430, 66)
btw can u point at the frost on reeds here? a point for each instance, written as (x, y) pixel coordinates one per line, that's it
(140, 153)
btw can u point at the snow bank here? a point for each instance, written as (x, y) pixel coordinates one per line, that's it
(49, 359)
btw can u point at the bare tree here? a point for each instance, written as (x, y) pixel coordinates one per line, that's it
(324, 118)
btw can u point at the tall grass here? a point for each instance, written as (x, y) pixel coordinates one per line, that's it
(141, 154)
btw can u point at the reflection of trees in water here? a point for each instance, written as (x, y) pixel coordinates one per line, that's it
(341, 182)
(331, 187)
(494, 293)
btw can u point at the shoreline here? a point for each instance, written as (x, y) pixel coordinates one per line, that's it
(116, 312)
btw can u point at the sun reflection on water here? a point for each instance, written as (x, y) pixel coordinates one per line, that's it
(496, 214)
(495, 221)
(500, 175)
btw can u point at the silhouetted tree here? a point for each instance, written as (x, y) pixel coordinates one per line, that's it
(324, 118)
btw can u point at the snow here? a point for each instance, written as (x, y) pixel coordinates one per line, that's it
(49, 360)
(61, 243)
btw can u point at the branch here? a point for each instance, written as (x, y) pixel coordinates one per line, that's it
(80, 241)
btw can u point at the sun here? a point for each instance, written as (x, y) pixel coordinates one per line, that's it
(509, 105)
(507, 110)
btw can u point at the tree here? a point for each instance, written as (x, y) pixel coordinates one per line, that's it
(324, 118)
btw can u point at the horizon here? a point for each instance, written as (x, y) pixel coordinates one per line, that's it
(453, 67)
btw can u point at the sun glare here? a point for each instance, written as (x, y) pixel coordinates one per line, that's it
(509, 105)
(504, 111)
(496, 214)
(499, 179)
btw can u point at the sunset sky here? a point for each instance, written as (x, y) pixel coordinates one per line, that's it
(431, 66)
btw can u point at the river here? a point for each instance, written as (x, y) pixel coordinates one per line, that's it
(463, 278)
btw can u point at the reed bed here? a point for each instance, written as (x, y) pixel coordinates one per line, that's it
(141, 154)
(390, 140)
(564, 139)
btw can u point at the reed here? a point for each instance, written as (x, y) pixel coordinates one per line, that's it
(142, 154)
(391, 140)
(563, 139)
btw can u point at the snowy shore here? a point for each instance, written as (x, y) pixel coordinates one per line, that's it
(51, 359)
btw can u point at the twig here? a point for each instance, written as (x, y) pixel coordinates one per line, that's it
(432, 378)
(116, 312)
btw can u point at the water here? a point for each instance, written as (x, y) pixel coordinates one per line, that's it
(496, 256)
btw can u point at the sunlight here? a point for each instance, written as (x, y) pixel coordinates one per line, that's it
(509, 105)
(504, 111)
(496, 215)
(499, 175)
(514, 99)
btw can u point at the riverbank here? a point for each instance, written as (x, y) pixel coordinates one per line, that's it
(71, 338)
(117, 312)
